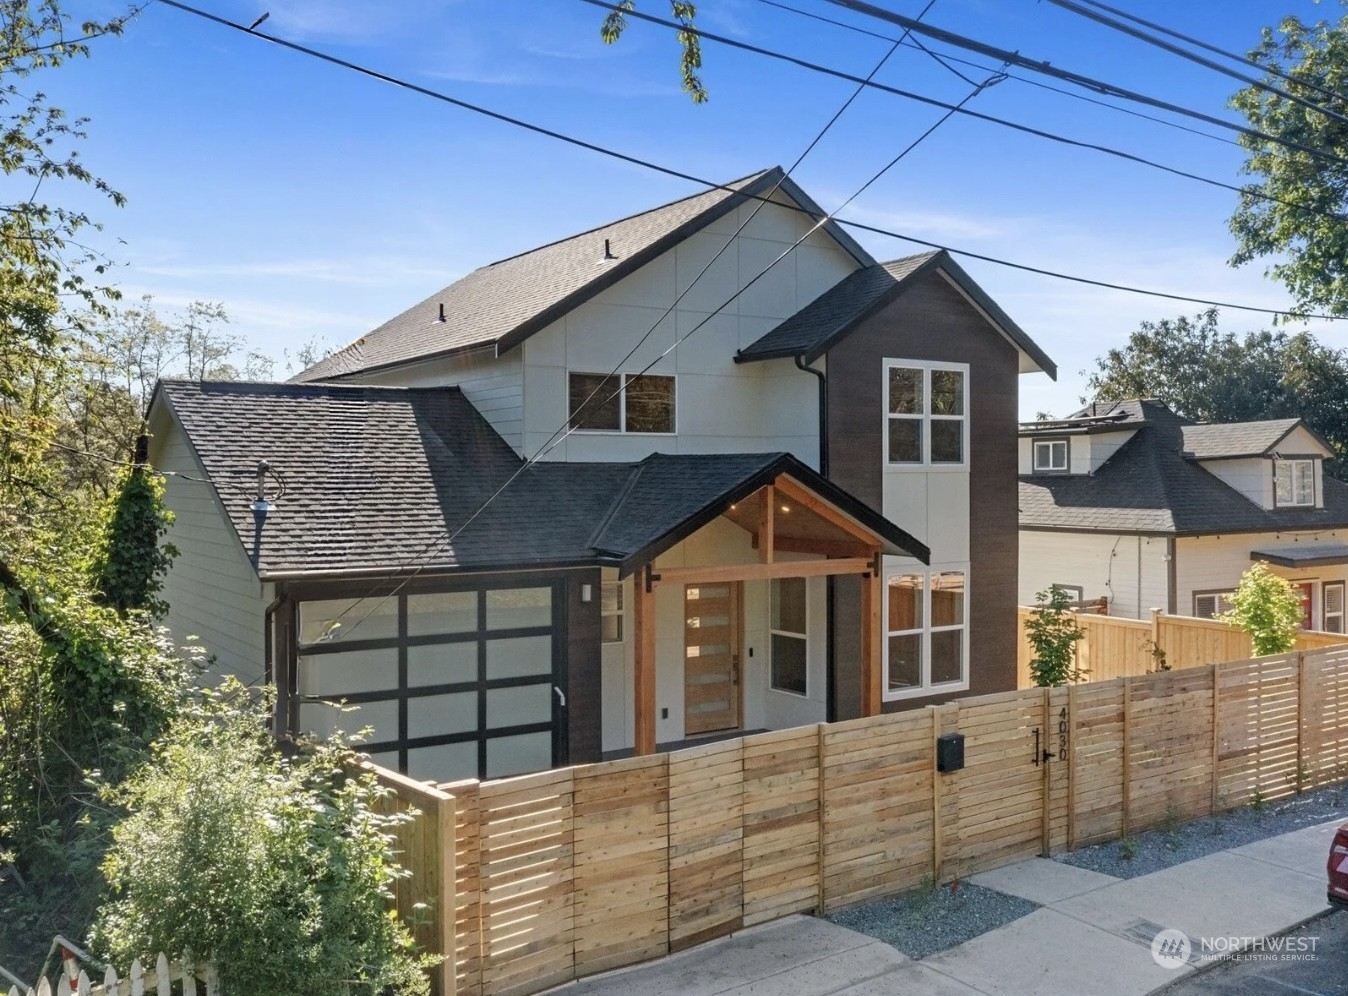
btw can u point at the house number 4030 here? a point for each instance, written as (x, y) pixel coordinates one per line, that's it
(1064, 732)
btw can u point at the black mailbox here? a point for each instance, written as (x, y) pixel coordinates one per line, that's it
(950, 752)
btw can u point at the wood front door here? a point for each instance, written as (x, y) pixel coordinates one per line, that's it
(711, 658)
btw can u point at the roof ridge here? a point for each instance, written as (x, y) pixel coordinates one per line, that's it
(728, 188)
(314, 385)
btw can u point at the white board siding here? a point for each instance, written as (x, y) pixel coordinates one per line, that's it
(494, 385)
(1131, 571)
(215, 598)
(720, 406)
(1253, 478)
(1215, 563)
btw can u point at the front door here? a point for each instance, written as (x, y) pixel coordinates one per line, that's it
(711, 658)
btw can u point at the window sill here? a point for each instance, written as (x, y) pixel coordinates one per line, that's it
(928, 468)
(892, 695)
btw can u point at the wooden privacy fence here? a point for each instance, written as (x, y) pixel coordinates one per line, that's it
(1114, 647)
(570, 872)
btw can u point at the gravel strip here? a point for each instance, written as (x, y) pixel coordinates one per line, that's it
(1164, 847)
(929, 920)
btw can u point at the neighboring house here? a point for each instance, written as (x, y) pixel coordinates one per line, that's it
(806, 511)
(1131, 502)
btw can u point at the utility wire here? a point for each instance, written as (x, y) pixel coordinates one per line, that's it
(1046, 69)
(945, 59)
(713, 185)
(1245, 191)
(1235, 57)
(1183, 53)
(563, 431)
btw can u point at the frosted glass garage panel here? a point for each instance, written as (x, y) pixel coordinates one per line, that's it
(336, 620)
(519, 657)
(335, 675)
(522, 705)
(444, 762)
(436, 715)
(322, 720)
(508, 756)
(442, 612)
(442, 664)
(385, 759)
(515, 608)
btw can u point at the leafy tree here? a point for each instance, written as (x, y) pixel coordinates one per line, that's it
(1295, 211)
(1268, 608)
(130, 572)
(276, 869)
(1209, 375)
(1053, 633)
(690, 44)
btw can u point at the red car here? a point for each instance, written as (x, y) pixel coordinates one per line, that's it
(1338, 869)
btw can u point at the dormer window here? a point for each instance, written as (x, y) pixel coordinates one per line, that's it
(1294, 482)
(1050, 456)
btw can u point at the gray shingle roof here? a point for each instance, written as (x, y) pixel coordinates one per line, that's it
(505, 302)
(1236, 439)
(377, 479)
(812, 330)
(1149, 486)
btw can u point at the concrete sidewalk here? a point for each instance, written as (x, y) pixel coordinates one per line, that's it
(1092, 935)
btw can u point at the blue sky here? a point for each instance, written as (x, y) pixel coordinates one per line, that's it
(310, 200)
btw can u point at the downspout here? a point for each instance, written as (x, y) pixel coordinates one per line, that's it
(831, 682)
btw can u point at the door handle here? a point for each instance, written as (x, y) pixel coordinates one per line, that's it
(734, 669)
(561, 697)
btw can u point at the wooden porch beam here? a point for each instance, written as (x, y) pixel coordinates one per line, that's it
(801, 496)
(871, 694)
(643, 684)
(765, 537)
(763, 572)
(829, 548)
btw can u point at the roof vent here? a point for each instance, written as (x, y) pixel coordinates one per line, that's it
(608, 250)
(442, 311)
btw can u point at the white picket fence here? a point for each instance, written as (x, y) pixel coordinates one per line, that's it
(157, 982)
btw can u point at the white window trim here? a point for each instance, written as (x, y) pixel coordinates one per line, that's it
(1342, 614)
(621, 612)
(926, 688)
(925, 464)
(622, 404)
(803, 637)
(1047, 466)
(1291, 466)
(1220, 598)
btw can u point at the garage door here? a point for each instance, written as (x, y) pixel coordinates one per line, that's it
(451, 684)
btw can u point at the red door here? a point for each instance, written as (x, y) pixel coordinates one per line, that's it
(1306, 589)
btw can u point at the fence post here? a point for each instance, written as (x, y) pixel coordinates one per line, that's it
(1215, 807)
(1302, 778)
(1156, 615)
(1072, 767)
(1046, 810)
(937, 850)
(823, 865)
(1127, 751)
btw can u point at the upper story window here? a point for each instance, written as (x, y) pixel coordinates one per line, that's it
(1050, 456)
(926, 406)
(621, 403)
(1294, 482)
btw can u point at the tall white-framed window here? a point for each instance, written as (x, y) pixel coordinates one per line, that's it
(1050, 456)
(1294, 482)
(927, 632)
(611, 610)
(1331, 594)
(788, 626)
(621, 402)
(926, 413)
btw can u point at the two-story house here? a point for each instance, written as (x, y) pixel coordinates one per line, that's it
(1130, 502)
(706, 469)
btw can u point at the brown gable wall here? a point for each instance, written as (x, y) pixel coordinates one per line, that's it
(933, 321)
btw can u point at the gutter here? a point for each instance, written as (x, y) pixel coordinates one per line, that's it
(823, 412)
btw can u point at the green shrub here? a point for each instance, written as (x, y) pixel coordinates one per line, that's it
(278, 870)
(1053, 632)
(1267, 608)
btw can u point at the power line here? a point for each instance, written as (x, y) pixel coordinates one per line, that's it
(1246, 191)
(944, 59)
(1183, 53)
(1046, 69)
(713, 185)
(1235, 57)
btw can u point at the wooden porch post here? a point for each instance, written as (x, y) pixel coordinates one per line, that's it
(643, 683)
(870, 643)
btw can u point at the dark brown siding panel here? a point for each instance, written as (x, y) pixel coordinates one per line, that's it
(933, 321)
(583, 697)
(846, 647)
